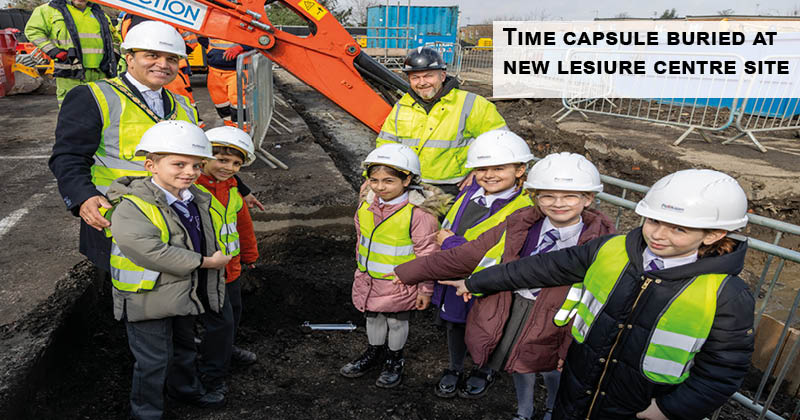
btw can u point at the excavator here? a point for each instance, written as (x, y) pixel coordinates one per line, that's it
(328, 60)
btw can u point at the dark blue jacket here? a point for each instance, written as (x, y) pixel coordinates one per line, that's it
(618, 338)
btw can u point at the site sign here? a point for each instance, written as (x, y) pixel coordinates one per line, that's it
(186, 13)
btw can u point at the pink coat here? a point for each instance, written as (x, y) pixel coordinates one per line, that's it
(376, 295)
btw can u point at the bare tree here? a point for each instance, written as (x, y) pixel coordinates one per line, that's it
(669, 14)
(359, 7)
(622, 15)
(726, 12)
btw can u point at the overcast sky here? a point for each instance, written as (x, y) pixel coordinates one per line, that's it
(476, 11)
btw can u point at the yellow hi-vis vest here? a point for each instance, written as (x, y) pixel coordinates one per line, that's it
(440, 138)
(126, 276)
(125, 119)
(224, 220)
(682, 327)
(387, 245)
(522, 200)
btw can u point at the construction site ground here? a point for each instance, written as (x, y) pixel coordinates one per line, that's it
(63, 356)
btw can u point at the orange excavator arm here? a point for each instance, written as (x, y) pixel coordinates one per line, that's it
(329, 59)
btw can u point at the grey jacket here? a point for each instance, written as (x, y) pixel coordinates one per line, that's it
(175, 292)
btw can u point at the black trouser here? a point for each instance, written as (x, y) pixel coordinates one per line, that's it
(165, 353)
(234, 290)
(217, 343)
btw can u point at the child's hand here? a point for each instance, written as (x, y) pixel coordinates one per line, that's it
(394, 277)
(442, 235)
(250, 266)
(461, 288)
(216, 261)
(252, 201)
(423, 301)
(560, 365)
(652, 412)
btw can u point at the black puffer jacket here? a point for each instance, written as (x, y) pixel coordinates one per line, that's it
(719, 367)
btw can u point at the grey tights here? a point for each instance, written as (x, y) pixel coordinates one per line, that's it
(379, 326)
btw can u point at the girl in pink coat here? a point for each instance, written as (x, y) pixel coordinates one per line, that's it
(396, 221)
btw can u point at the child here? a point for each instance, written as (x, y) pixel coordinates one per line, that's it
(498, 160)
(232, 149)
(663, 326)
(522, 339)
(395, 223)
(165, 266)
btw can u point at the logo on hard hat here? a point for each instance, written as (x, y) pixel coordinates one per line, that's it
(484, 157)
(385, 157)
(199, 146)
(563, 179)
(169, 44)
(665, 206)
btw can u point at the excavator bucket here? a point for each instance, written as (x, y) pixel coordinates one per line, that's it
(325, 60)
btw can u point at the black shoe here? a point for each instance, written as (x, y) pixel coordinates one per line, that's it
(448, 383)
(477, 384)
(211, 399)
(372, 357)
(392, 373)
(221, 387)
(241, 356)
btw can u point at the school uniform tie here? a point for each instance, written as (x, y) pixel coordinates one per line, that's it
(481, 201)
(548, 242)
(155, 102)
(184, 209)
(655, 265)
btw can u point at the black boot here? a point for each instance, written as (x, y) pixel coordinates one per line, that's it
(372, 357)
(392, 370)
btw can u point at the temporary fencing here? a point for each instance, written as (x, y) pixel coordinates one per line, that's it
(254, 87)
(684, 101)
(474, 64)
(761, 111)
(776, 299)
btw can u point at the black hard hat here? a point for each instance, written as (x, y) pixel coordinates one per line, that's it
(423, 58)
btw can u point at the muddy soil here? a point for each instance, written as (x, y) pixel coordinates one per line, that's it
(296, 376)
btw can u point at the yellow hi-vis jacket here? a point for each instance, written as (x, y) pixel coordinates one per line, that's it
(125, 119)
(126, 276)
(387, 245)
(224, 218)
(522, 200)
(682, 327)
(48, 30)
(441, 138)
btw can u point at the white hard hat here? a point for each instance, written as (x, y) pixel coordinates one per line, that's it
(566, 172)
(233, 137)
(395, 155)
(154, 36)
(178, 137)
(497, 147)
(696, 198)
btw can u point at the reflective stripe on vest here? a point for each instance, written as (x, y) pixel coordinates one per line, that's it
(125, 274)
(522, 200)
(224, 220)
(441, 145)
(387, 245)
(682, 326)
(682, 330)
(124, 122)
(493, 256)
(220, 44)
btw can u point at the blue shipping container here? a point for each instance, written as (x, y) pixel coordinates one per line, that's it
(426, 22)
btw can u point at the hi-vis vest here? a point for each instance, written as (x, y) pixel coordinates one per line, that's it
(224, 219)
(682, 327)
(387, 245)
(440, 138)
(126, 276)
(125, 119)
(522, 200)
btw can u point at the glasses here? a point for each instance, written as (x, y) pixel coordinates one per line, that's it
(567, 199)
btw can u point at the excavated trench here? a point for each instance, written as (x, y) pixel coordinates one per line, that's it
(304, 274)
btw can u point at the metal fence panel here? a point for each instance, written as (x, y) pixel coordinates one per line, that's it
(255, 93)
